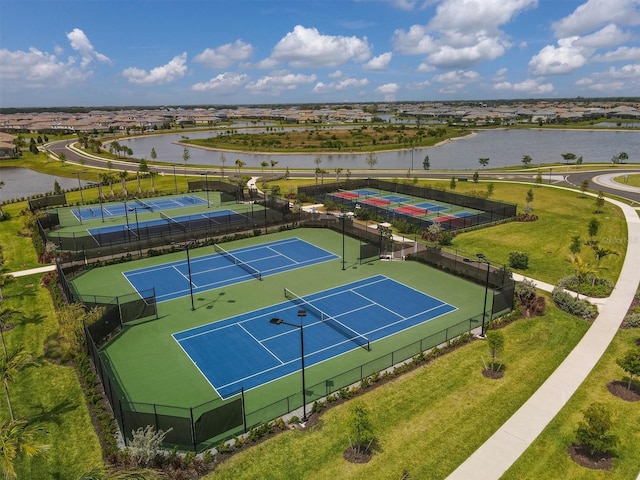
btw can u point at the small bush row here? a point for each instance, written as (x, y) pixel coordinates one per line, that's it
(575, 306)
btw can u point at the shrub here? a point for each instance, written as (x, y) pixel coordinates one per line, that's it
(592, 286)
(594, 432)
(579, 307)
(519, 260)
(631, 321)
(146, 443)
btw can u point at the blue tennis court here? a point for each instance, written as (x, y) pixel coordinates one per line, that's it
(247, 351)
(366, 192)
(171, 280)
(144, 205)
(432, 207)
(396, 198)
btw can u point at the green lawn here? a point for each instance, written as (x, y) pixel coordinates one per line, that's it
(427, 421)
(49, 393)
(633, 180)
(547, 457)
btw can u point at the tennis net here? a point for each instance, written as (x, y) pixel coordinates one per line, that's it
(143, 204)
(173, 221)
(237, 262)
(328, 320)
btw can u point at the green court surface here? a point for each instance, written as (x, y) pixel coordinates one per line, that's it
(152, 368)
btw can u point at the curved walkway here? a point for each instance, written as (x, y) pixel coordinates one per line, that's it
(510, 441)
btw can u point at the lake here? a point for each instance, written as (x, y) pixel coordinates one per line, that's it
(502, 147)
(22, 182)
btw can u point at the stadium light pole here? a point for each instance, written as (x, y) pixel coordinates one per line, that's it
(135, 211)
(80, 185)
(343, 215)
(206, 185)
(279, 321)
(175, 180)
(193, 307)
(486, 261)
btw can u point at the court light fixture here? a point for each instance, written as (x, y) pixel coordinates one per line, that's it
(279, 321)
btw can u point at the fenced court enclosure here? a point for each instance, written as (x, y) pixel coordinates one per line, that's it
(187, 339)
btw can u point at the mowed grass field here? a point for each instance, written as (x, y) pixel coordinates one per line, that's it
(152, 367)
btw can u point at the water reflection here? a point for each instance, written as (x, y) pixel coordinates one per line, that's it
(502, 147)
(22, 182)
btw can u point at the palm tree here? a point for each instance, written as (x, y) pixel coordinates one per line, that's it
(273, 164)
(338, 172)
(239, 164)
(223, 159)
(601, 252)
(264, 164)
(17, 437)
(10, 365)
(581, 269)
(5, 314)
(123, 181)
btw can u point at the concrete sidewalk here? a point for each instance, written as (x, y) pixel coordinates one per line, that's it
(23, 273)
(504, 447)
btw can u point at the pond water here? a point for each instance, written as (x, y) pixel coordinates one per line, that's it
(502, 147)
(22, 182)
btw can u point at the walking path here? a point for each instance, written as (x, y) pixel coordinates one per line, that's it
(504, 447)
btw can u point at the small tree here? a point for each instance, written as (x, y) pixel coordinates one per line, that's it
(599, 202)
(539, 178)
(452, 183)
(594, 432)
(483, 161)
(426, 164)
(568, 156)
(584, 186)
(529, 196)
(594, 226)
(490, 189)
(519, 260)
(526, 159)
(371, 160)
(361, 433)
(495, 342)
(476, 177)
(630, 363)
(576, 244)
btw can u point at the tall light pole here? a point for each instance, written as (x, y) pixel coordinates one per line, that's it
(279, 321)
(80, 186)
(193, 307)
(135, 210)
(206, 186)
(175, 180)
(343, 215)
(484, 260)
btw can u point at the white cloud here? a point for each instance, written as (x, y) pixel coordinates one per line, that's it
(381, 62)
(499, 76)
(279, 82)
(625, 80)
(425, 68)
(37, 69)
(306, 48)
(594, 13)
(345, 84)
(336, 74)
(225, 55)
(529, 86)
(621, 54)
(228, 82)
(458, 76)
(80, 43)
(173, 70)
(388, 90)
(605, 37)
(462, 32)
(558, 60)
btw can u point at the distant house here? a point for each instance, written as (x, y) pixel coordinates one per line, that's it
(7, 147)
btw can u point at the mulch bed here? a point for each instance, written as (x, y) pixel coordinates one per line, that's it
(488, 373)
(353, 456)
(620, 390)
(582, 457)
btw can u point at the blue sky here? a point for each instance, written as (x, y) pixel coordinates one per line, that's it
(165, 52)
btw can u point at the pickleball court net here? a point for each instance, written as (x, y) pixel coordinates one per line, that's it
(143, 204)
(236, 261)
(174, 222)
(328, 320)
